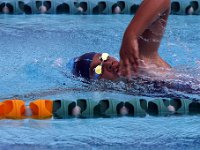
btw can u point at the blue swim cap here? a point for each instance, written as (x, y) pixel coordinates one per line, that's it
(81, 66)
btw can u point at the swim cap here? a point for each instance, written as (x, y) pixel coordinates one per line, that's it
(81, 67)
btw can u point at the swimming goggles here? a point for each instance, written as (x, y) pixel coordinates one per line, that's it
(98, 69)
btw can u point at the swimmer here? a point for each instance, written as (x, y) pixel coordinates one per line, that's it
(92, 66)
(139, 49)
(101, 66)
(139, 57)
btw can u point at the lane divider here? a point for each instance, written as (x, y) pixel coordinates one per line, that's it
(87, 108)
(87, 7)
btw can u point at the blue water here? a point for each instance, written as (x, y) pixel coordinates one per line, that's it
(34, 50)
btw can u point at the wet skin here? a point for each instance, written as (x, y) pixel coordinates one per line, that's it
(143, 35)
(110, 67)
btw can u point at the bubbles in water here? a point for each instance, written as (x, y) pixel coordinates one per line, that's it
(58, 62)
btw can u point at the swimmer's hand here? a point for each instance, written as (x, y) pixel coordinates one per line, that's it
(129, 56)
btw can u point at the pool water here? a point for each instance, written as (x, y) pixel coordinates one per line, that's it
(34, 50)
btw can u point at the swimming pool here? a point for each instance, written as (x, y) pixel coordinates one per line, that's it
(32, 47)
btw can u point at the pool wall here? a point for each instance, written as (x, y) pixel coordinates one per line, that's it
(178, 7)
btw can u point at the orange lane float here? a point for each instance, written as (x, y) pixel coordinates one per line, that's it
(14, 109)
(2, 110)
(41, 109)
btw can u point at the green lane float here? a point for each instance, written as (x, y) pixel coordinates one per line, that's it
(87, 108)
(86, 7)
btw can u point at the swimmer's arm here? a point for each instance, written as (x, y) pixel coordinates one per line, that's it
(147, 13)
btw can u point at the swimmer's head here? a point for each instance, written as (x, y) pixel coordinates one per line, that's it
(96, 66)
(82, 64)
